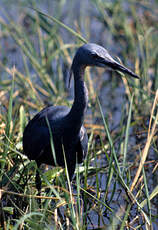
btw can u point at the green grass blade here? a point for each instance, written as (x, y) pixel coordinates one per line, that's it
(8, 122)
(127, 135)
(151, 196)
(61, 24)
(70, 204)
(147, 194)
(24, 218)
(51, 141)
(109, 137)
(123, 224)
(23, 120)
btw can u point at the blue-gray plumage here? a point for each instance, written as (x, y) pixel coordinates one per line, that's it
(67, 124)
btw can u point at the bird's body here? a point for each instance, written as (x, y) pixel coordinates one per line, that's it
(65, 124)
(40, 149)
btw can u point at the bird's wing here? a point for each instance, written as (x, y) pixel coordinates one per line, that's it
(34, 141)
(82, 146)
(36, 136)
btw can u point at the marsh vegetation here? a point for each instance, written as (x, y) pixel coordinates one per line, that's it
(117, 185)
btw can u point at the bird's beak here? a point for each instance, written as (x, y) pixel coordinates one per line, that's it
(116, 66)
(110, 62)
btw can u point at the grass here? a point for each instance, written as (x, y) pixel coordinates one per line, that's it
(116, 186)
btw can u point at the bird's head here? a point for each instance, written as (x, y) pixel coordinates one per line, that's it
(94, 55)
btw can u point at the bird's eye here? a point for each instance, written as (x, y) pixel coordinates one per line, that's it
(95, 56)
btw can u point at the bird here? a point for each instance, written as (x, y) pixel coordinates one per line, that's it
(64, 125)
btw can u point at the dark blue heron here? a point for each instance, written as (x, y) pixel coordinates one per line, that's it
(66, 124)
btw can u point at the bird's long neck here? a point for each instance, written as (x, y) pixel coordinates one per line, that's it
(79, 106)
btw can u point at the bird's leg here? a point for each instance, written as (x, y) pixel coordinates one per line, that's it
(38, 182)
(71, 169)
